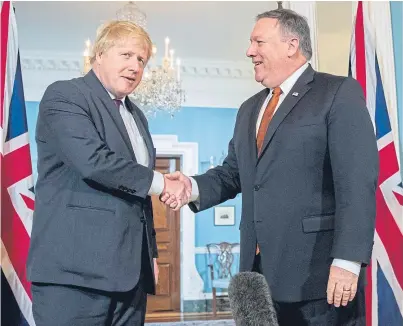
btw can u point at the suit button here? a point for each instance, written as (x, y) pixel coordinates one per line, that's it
(256, 188)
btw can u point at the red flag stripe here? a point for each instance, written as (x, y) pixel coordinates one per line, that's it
(5, 13)
(16, 171)
(360, 61)
(360, 75)
(29, 202)
(390, 234)
(388, 165)
(15, 239)
(13, 175)
(399, 197)
(13, 232)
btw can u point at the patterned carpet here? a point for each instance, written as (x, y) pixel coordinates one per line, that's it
(196, 323)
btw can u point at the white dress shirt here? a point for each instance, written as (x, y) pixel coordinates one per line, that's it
(139, 146)
(286, 87)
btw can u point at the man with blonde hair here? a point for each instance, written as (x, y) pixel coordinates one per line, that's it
(93, 238)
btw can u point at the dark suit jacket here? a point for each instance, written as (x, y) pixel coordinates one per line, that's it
(310, 196)
(91, 195)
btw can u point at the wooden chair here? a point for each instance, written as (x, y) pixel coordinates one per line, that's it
(220, 258)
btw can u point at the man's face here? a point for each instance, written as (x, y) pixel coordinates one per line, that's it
(269, 52)
(121, 67)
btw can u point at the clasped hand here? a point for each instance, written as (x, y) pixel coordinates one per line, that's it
(177, 190)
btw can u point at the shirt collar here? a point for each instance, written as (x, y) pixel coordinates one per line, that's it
(113, 97)
(288, 84)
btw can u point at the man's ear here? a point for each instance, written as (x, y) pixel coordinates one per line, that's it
(98, 57)
(293, 45)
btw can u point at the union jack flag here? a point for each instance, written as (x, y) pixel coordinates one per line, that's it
(17, 197)
(384, 292)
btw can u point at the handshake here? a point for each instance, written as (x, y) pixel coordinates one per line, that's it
(177, 190)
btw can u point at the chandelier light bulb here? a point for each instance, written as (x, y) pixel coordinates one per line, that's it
(166, 47)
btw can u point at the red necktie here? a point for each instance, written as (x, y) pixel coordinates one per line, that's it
(267, 116)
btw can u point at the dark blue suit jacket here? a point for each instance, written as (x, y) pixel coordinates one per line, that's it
(91, 195)
(310, 196)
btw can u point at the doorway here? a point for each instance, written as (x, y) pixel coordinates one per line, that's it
(167, 227)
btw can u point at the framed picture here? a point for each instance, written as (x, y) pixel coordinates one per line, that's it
(224, 215)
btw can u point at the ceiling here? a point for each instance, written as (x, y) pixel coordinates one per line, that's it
(212, 30)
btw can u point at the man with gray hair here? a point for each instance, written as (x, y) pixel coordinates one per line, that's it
(305, 159)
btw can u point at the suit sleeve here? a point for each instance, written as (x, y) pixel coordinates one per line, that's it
(354, 160)
(218, 184)
(75, 139)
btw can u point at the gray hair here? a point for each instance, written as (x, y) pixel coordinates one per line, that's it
(292, 24)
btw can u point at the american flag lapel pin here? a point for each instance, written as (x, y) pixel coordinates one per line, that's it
(295, 94)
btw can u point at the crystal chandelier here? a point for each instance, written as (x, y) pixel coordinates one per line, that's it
(160, 89)
(131, 12)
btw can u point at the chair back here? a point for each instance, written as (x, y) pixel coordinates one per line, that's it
(221, 258)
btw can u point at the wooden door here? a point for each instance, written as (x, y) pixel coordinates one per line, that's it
(167, 227)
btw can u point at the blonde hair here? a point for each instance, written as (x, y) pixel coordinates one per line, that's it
(113, 32)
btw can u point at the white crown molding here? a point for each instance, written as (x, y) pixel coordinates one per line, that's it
(195, 67)
(207, 83)
(41, 63)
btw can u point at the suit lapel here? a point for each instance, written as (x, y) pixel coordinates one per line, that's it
(92, 80)
(253, 120)
(134, 110)
(300, 88)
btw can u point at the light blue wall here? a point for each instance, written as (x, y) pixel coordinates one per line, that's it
(32, 115)
(396, 8)
(212, 129)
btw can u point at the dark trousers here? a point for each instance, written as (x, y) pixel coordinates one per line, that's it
(319, 312)
(67, 305)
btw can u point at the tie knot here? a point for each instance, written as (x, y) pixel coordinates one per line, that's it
(277, 91)
(118, 103)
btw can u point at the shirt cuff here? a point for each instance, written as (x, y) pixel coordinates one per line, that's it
(351, 266)
(157, 186)
(195, 190)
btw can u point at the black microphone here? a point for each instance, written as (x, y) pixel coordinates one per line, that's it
(250, 300)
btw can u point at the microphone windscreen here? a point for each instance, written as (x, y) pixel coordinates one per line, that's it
(250, 300)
